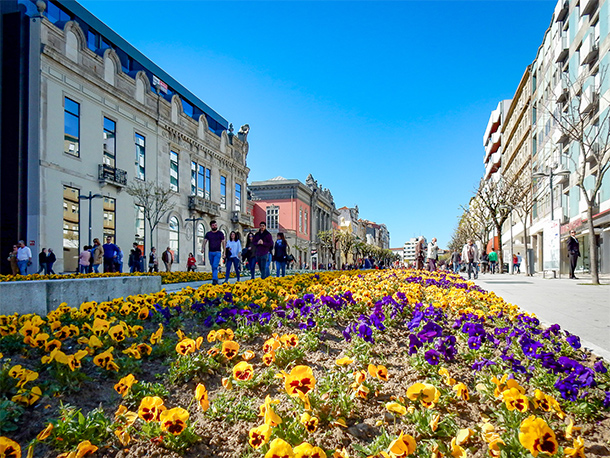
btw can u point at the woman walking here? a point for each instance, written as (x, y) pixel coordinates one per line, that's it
(280, 254)
(12, 259)
(233, 251)
(153, 261)
(247, 254)
(84, 260)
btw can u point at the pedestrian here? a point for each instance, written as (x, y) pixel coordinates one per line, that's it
(97, 255)
(263, 244)
(42, 261)
(232, 254)
(484, 262)
(518, 264)
(514, 259)
(493, 260)
(137, 258)
(191, 263)
(248, 256)
(216, 239)
(119, 259)
(84, 260)
(12, 259)
(110, 255)
(281, 251)
(470, 255)
(420, 253)
(432, 255)
(168, 259)
(24, 257)
(573, 253)
(51, 258)
(153, 261)
(456, 260)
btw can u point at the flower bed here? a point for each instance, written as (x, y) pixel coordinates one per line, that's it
(387, 363)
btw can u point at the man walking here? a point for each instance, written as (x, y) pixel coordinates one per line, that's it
(216, 239)
(24, 257)
(420, 250)
(470, 255)
(137, 258)
(573, 253)
(456, 260)
(432, 255)
(110, 255)
(263, 243)
(168, 259)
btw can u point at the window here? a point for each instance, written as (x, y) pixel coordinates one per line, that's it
(173, 171)
(208, 184)
(200, 235)
(305, 224)
(273, 214)
(193, 178)
(139, 235)
(140, 157)
(109, 217)
(237, 197)
(109, 142)
(71, 232)
(71, 127)
(301, 219)
(174, 238)
(200, 181)
(223, 192)
(93, 40)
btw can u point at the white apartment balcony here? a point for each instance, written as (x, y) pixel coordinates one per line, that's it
(592, 153)
(588, 7)
(561, 10)
(562, 91)
(589, 50)
(562, 49)
(493, 145)
(588, 100)
(492, 125)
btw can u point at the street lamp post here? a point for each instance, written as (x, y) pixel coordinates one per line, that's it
(551, 174)
(90, 197)
(194, 220)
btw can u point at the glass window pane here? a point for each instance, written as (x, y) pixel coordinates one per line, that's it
(223, 192)
(140, 157)
(174, 238)
(237, 197)
(193, 178)
(200, 181)
(71, 231)
(208, 184)
(173, 171)
(109, 142)
(109, 217)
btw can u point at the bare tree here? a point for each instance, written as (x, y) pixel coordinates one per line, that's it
(499, 198)
(155, 200)
(586, 129)
(347, 240)
(525, 207)
(329, 242)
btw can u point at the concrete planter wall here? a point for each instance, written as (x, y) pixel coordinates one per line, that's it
(43, 296)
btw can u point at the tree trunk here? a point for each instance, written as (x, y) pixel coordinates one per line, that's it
(500, 249)
(592, 245)
(525, 257)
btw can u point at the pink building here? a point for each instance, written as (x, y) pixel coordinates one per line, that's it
(298, 210)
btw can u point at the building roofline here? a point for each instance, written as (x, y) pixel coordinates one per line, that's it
(82, 13)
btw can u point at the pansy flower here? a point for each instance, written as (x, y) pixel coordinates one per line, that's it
(9, 448)
(404, 445)
(125, 384)
(379, 372)
(306, 450)
(186, 346)
(536, 436)
(577, 450)
(300, 379)
(279, 448)
(174, 420)
(201, 395)
(427, 394)
(461, 391)
(243, 371)
(345, 361)
(268, 413)
(310, 422)
(150, 408)
(230, 349)
(260, 435)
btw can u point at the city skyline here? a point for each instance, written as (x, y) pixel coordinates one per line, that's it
(372, 81)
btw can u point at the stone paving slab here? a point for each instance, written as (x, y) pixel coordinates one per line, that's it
(579, 308)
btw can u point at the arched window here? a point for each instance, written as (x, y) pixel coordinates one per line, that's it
(199, 241)
(174, 238)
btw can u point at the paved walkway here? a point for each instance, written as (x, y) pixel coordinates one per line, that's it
(579, 308)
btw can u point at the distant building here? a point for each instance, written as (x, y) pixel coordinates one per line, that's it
(492, 140)
(299, 210)
(409, 250)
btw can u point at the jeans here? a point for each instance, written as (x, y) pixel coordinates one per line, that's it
(431, 265)
(96, 268)
(232, 261)
(263, 265)
(43, 268)
(456, 267)
(50, 268)
(251, 266)
(83, 269)
(472, 268)
(214, 257)
(109, 265)
(492, 266)
(23, 267)
(280, 268)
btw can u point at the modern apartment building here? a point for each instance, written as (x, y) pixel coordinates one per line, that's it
(569, 74)
(300, 211)
(492, 140)
(409, 251)
(84, 115)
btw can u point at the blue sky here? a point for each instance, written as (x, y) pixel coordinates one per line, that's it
(384, 103)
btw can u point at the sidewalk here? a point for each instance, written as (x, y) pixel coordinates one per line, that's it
(577, 306)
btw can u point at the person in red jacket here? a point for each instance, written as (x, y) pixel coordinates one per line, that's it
(191, 263)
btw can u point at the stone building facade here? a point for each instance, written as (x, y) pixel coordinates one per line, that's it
(91, 115)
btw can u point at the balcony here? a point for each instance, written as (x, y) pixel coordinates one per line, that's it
(592, 153)
(589, 51)
(561, 10)
(563, 91)
(589, 100)
(205, 206)
(111, 175)
(562, 49)
(238, 217)
(588, 7)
